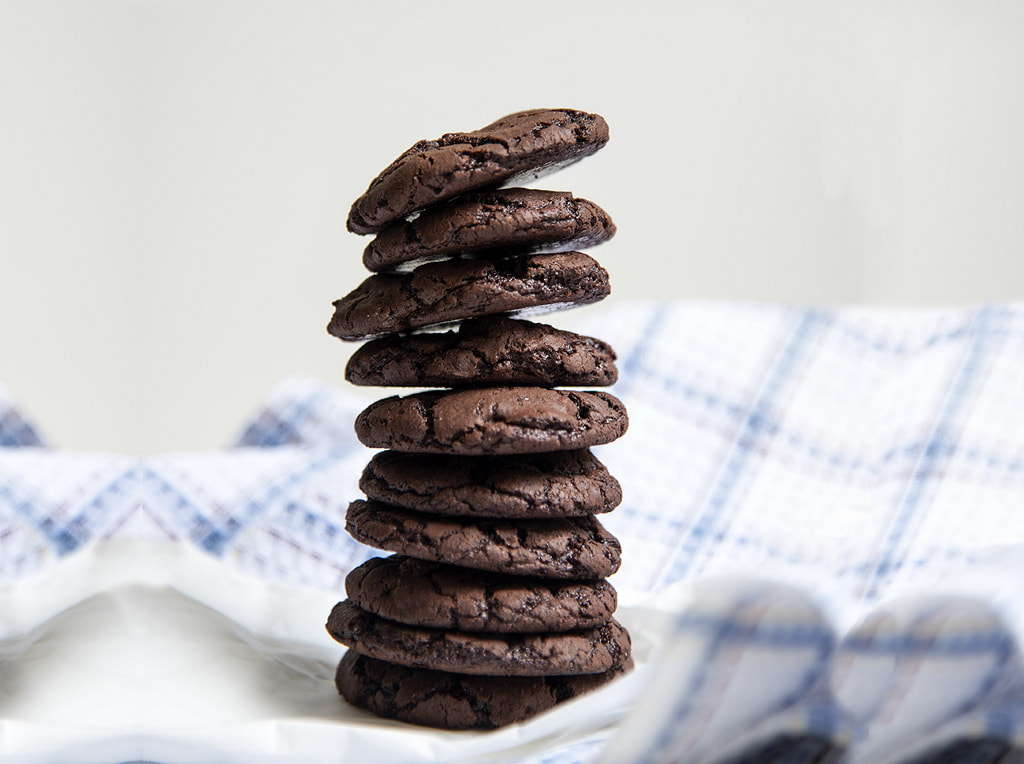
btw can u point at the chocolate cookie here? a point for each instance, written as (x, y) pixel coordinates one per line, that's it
(585, 651)
(452, 290)
(494, 350)
(456, 701)
(432, 594)
(524, 144)
(516, 220)
(492, 420)
(554, 484)
(572, 547)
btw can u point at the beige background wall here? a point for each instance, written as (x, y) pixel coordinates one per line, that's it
(174, 176)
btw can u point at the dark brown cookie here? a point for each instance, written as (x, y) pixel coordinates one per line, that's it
(525, 144)
(494, 350)
(585, 651)
(432, 594)
(453, 290)
(572, 547)
(554, 484)
(456, 701)
(515, 220)
(492, 420)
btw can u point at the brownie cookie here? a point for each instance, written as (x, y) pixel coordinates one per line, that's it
(525, 144)
(492, 420)
(452, 290)
(553, 484)
(456, 701)
(585, 651)
(494, 350)
(572, 547)
(422, 593)
(516, 220)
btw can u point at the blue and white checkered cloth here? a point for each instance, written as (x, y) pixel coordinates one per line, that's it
(859, 469)
(15, 431)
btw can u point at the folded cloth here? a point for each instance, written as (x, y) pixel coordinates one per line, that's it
(855, 455)
(302, 412)
(868, 448)
(15, 430)
(927, 675)
(745, 673)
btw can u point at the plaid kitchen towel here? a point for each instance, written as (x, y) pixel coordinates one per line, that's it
(861, 458)
(15, 430)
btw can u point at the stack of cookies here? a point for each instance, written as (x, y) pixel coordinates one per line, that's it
(495, 604)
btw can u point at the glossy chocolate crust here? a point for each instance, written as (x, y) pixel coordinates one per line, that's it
(495, 350)
(432, 594)
(514, 220)
(577, 548)
(524, 144)
(452, 290)
(492, 420)
(456, 701)
(583, 651)
(553, 484)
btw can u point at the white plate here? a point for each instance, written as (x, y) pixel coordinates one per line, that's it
(138, 650)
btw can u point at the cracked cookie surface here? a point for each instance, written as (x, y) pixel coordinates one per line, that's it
(492, 420)
(564, 548)
(524, 144)
(456, 701)
(515, 220)
(584, 651)
(452, 290)
(423, 593)
(494, 350)
(553, 484)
